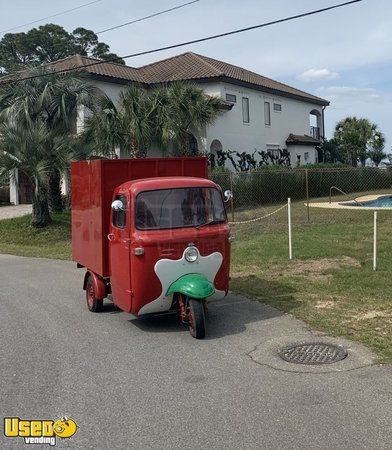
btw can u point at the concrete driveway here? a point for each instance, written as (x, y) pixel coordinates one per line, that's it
(9, 212)
(147, 384)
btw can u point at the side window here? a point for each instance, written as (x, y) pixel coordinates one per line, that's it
(231, 98)
(245, 109)
(267, 113)
(120, 215)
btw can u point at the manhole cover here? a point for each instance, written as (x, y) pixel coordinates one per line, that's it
(315, 353)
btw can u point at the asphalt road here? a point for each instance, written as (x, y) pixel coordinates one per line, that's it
(132, 383)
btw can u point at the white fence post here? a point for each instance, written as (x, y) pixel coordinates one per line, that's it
(289, 221)
(375, 242)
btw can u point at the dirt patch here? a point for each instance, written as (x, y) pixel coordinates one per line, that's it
(322, 301)
(316, 268)
(313, 268)
(373, 314)
(251, 270)
(326, 304)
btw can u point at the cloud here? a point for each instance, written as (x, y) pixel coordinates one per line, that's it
(350, 93)
(318, 74)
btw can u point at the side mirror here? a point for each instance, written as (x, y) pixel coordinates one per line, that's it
(118, 205)
(228, 195)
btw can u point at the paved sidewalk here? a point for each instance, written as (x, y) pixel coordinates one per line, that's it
(9, 212)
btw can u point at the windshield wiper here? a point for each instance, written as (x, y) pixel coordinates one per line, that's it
(211, 222)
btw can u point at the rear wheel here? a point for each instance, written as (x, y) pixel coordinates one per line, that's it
(197, 321)
(93, 304)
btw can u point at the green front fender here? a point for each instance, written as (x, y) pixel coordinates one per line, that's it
(192, 285)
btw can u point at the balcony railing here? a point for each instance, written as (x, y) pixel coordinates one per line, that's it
(315, 132)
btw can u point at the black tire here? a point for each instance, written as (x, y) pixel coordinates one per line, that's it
(94, 304)
(197, 323)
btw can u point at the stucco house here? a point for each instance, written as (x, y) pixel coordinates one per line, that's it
(261, 114)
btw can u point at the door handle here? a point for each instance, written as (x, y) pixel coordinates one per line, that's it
(110, 236)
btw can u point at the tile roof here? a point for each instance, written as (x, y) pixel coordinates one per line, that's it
(191, 66)
(186, 66)
(303, 139)
(105, 69)
(87, 64)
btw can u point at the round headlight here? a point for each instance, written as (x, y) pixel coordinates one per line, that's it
(191, 254)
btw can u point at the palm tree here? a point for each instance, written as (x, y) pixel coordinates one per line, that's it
(30, 148)
(142, 117)
(191, 109)
(128, 126)
(376, 152)
(53, 99)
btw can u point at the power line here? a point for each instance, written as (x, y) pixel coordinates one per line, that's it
(51, 17)
(148, 17)
(117, 26)
(194, 41)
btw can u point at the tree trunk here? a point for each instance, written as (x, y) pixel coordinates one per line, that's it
(40, 217)
(183, 148)
(55, 198)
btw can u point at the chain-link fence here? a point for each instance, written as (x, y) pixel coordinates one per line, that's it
(262, 194)
(271, 187)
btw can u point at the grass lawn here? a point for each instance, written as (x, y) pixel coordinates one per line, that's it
(330, 284)
(18, 237)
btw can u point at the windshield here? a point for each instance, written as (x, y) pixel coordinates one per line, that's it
(178, 208)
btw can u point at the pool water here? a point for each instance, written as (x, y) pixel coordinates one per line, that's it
(384, 201)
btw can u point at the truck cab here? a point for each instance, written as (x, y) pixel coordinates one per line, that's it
(157, 221)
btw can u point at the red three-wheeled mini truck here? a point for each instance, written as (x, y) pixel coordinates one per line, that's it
(152, 234)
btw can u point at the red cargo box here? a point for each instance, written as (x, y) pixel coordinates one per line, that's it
(92, 186)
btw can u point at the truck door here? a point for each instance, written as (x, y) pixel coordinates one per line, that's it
(119, 255)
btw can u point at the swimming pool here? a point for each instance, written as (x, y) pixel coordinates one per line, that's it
(384, 201)
(367, 202)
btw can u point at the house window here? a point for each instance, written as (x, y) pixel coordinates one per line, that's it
(231, 98)
(245, 109)
(119, 215)
(267, 113)
(306, 156)
(277, 107)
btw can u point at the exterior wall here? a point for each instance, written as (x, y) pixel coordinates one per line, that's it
(307, 153)
(112, 90)
(229, 127)
(236, 135)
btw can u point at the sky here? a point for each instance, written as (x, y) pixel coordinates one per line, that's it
(344, 55)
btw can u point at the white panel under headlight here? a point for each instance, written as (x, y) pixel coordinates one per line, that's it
(170, 270)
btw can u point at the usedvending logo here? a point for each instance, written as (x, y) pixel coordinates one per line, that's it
(39, 431)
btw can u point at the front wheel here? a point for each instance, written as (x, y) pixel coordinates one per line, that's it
(197, 320)
(93, 304)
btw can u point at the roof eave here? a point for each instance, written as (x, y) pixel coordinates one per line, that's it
(110, 79)
(316, 101)
(306, 143)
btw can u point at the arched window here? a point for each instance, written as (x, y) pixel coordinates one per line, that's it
(315, 124)
(215, 146)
